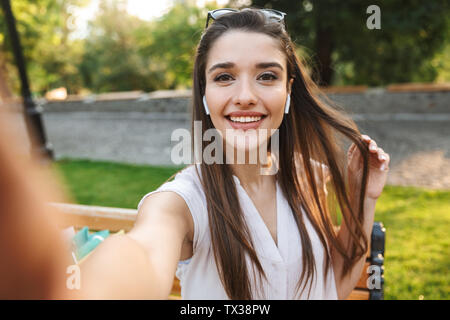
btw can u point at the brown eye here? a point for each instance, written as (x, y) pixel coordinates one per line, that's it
(223, 77)
(268, 76)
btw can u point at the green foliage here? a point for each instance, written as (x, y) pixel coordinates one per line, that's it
(173, 42)
(112, 61)
(413, 34)
(119, 53)
(122, 52)
(126, 53)
(44, 34)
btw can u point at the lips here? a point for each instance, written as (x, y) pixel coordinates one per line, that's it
(245, 120)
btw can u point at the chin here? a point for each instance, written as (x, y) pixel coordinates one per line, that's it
(247, 145)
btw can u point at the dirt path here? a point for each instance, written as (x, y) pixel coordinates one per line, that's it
(427, 169)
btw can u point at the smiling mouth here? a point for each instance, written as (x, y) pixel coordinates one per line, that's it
(246, 122)
(246, 119)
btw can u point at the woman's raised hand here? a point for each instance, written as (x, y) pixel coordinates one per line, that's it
(378, 168)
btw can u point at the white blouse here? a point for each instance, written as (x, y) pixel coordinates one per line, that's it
(199, 278)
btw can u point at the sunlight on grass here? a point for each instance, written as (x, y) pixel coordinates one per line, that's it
(111, 184)
(417, 257)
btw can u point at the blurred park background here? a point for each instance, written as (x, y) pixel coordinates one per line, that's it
(113, 80)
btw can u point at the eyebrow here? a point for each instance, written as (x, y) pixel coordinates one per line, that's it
(261, 65)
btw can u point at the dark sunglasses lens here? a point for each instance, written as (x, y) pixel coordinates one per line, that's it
(220, 12)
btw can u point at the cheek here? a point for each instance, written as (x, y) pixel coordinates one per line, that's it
(276, 108)
(216, 100)
(216, 109)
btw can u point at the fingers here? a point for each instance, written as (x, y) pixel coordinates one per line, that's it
(382, 156)
(373, 146)
(372, 143)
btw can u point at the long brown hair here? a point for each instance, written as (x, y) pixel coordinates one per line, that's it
(313, 129)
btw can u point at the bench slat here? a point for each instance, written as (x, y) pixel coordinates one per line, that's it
(362, 282)
(359, 294)
(97, 218)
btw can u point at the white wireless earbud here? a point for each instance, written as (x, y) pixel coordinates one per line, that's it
(288, 104)
(205, 105)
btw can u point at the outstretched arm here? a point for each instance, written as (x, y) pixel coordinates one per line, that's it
(142, 263)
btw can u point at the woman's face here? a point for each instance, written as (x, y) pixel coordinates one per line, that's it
(246, 88)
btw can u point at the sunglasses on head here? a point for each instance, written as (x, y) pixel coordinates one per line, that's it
(270, 14)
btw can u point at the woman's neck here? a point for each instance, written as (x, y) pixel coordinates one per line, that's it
(253, 176)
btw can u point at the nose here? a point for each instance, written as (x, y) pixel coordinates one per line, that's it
(245, 95)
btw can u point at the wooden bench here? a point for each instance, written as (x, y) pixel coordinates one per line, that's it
(116, 219)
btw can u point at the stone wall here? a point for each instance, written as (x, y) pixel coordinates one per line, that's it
(413, 126)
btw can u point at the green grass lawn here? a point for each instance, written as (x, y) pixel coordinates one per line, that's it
(111, 184)
(417, 221)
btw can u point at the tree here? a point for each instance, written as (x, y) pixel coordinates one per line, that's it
(112, 60)
(123, 52)
(119, 52)
(412, 34)
(48, 50)
(173, 42)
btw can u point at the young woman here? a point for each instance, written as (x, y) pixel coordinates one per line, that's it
(225, 229)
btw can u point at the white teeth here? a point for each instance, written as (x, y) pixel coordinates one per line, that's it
(245, 119)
